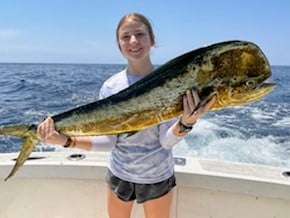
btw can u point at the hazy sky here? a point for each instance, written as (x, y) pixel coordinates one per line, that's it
(83, 31)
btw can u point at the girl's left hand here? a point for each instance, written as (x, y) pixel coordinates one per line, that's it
(190, 103)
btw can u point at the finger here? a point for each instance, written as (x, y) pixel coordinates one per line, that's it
(40, 131)
(196, 109)
(50, 130)
(186, 107)
(47, 130)
(210, 103)
(195, 97)
(42, 128)
(190, 100)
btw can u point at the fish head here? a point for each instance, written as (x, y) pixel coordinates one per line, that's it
(238, 75)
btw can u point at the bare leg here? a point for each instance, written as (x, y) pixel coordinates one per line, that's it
(118, 208)
(158, 208)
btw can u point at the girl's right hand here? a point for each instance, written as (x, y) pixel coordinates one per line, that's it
(48, 134)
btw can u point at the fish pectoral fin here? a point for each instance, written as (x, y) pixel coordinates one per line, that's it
(29, 142)
(203, 102)
(129, 134)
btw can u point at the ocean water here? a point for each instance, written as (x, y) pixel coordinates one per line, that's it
(255, 133)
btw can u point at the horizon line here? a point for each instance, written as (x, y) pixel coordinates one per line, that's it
(80, 63)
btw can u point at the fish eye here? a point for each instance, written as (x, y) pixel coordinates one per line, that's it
(250, 83)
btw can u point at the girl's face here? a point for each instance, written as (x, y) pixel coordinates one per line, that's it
(134, 40)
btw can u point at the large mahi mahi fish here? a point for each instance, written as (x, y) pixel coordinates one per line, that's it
(234, 71)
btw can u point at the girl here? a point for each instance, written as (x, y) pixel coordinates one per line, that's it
(141, 166)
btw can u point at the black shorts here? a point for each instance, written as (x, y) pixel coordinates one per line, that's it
(129, 191)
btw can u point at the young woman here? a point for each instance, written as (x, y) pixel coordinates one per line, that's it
(141, 166)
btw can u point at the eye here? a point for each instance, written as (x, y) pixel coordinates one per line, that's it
(140, 34)
(250, 83)
(125, 37)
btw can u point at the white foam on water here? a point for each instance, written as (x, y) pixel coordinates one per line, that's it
(259, 114)
(285, 122)
(209, 140)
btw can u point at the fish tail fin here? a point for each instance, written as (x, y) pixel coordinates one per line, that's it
(30, 139)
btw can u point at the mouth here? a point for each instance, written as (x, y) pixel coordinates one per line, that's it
(135, 50)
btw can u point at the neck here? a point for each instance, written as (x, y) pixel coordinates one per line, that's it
(140, 68)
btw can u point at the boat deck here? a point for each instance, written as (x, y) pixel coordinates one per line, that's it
(70, 184)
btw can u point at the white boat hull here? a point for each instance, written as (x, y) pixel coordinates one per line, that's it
(56, 187)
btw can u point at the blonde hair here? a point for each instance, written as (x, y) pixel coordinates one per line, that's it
(136, 17)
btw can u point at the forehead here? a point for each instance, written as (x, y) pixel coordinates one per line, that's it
(131, 25)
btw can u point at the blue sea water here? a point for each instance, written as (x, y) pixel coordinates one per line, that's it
(255, 133)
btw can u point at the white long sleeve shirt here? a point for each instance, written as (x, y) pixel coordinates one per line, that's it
(144, 157)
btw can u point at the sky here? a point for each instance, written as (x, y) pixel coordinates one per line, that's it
(83, 31)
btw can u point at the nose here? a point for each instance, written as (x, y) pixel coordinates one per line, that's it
(133, 39)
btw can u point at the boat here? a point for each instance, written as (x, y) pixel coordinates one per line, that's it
(71, 184)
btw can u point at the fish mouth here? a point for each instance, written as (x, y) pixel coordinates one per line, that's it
(239, 97)
(263, 90)
(257, 93)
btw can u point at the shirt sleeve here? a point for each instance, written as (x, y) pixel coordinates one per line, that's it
(103, 142)
(166, 135)
(103, 92)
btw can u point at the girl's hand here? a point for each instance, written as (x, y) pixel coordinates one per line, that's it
(48, 134)
(192, 109)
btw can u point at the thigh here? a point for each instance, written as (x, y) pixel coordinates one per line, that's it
(146, 192)
(118, 208)
(159, 207)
